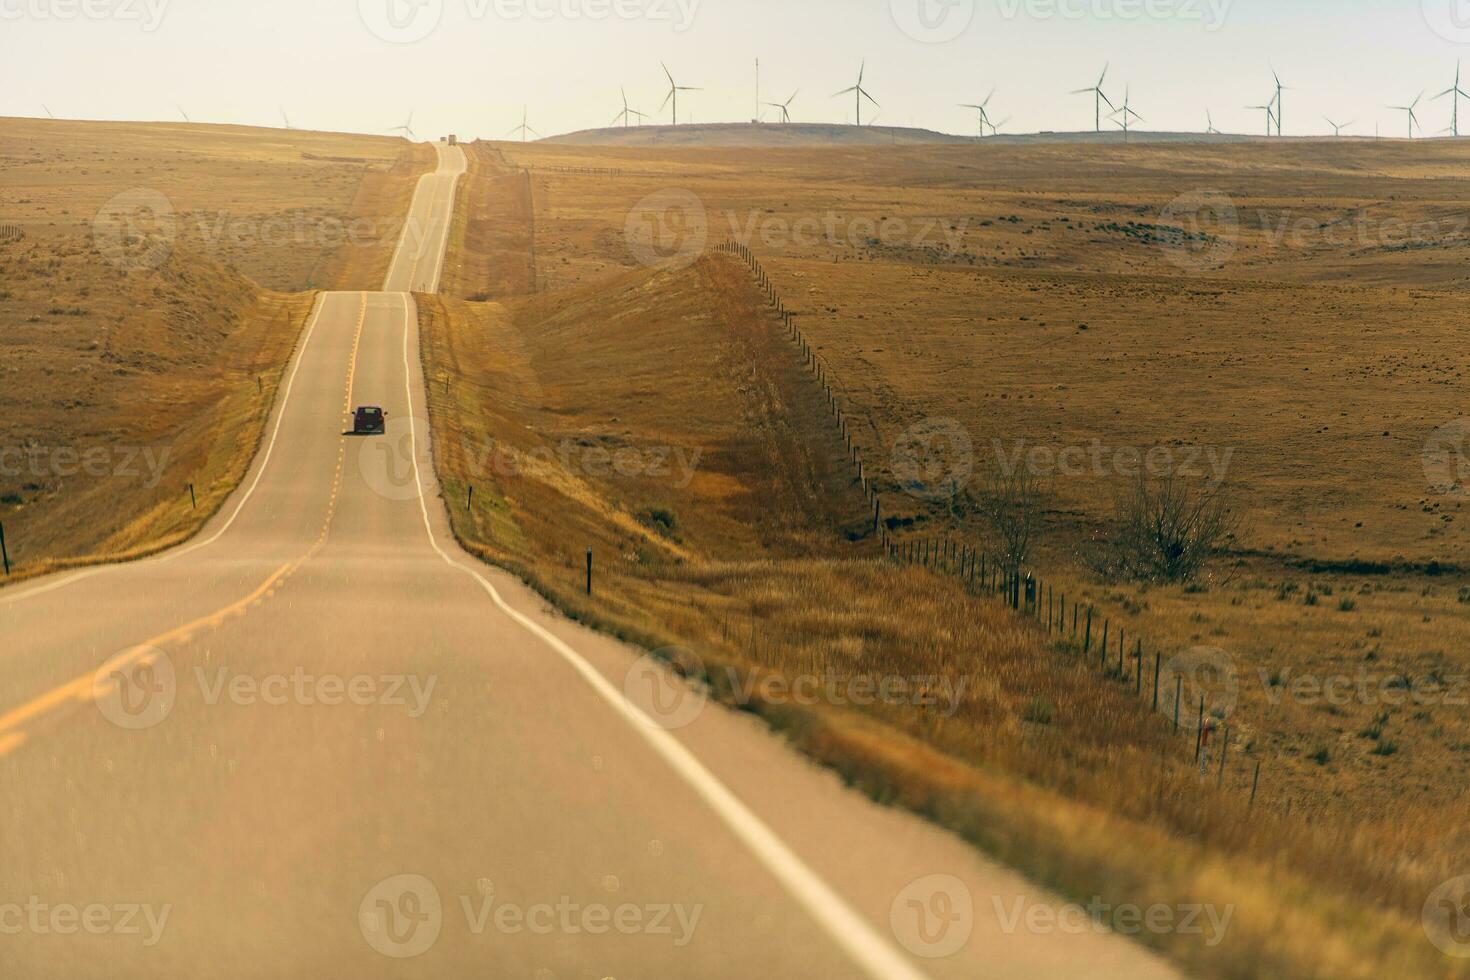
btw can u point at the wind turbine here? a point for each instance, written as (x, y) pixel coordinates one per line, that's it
(785, 107)
(995, 127)
(860, 92)
(981, 108)
(1279, 100)
(183, 113)
(523, 128)
(627, 113)
(1270, 109)
(1099, 98)
(407, 128)
(287, 119)
(1457, 92)
(1337, 128)
(1210, 129)
(674, 90)
(1127, 113)
(49, 113)
(1413, 119)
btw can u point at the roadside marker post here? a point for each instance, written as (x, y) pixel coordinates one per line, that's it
(193, 501)
(4, 551)
(589, 571)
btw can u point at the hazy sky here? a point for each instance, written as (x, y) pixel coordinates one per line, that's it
(467, 66)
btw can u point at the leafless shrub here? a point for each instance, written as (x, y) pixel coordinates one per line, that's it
(1165, 530)
(1011, 503)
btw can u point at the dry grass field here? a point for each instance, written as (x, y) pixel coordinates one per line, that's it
(1039, 296)
(155, 279)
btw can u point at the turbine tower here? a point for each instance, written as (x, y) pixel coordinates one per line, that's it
(1127, 113)
(984, 113)
(674, 90)
(1457, 93)
(1270, 109)
(1210, 129)
(406, 129)
(628, 112)
(1413, 119)
(287, 119)
(1099, 98)
(524, 128)
(785, 107)
(859, 92)
(1337, 128)
(1279, 100)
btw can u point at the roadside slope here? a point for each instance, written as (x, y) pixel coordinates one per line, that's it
(752, 571)
(147, 327)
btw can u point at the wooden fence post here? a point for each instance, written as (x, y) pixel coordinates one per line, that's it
(1158, 662)
(4, 551)
(1199, 731)
(589, 571)
(1087, 639)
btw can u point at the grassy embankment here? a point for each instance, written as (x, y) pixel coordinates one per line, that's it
(143, 351)
(756, 559)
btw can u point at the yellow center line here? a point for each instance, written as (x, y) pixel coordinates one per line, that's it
(352, 364)
(81, 689)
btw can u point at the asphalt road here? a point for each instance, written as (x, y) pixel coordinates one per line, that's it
(321, 741)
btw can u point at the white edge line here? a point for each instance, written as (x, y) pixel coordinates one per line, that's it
(265, 459)
(403, 236)
(842, 923)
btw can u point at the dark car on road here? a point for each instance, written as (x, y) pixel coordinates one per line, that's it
(369, 420)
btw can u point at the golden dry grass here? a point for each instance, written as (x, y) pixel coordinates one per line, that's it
(133, 371)
(765, 580)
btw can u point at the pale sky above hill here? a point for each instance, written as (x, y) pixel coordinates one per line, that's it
(468, 66)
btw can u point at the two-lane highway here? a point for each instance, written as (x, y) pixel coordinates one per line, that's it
(323, 742)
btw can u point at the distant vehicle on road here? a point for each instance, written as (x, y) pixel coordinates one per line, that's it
(369, 420)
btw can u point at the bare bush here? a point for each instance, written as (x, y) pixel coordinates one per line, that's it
(1166, 530)
(1011, 503)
